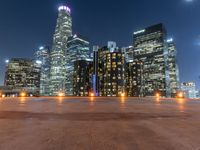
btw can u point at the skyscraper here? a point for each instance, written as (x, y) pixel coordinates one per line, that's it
(173, 67)
(58, 60)
(134, 77)
(23, 75)
(43, 56)
(111, 72)
(77, 49)
(83, 71)
(150, 47)
(95, 76)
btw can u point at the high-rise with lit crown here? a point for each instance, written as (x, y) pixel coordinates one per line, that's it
(58, 60)
(42, 55)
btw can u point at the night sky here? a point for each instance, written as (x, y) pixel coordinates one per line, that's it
(27, 24)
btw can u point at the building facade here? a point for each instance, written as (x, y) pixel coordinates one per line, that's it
(77, 49)
(58, 60)
(95, 76)
(150, 46)
(42, 55)
(111, 72)
(173, 67)
(23, 75)
(134, 79)
(189, 89)
(82, 79)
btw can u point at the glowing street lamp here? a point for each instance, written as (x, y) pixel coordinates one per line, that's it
(91, 94)
(180, 95)
(123, 95)
(157, 94)
(23, 94)
(61, 94)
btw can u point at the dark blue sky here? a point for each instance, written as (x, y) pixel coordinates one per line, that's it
(25, 25)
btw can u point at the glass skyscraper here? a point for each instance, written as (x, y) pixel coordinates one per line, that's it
(173, 67)
(58, 60)
(42, 56)
(77, 49)
(150, 46)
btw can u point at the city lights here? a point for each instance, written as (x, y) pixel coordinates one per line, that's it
(68, 70)
(7, 61)
(180, 95)
(64, 8)
(61, 94)
(92, 94)
(123, 95)
(41, 47)
(170, 40)
(158, 95)
(22, 94)
(38, 62)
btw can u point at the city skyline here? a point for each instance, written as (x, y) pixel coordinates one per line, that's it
(186, 67)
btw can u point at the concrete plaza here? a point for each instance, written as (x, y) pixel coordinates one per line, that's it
(72, 123)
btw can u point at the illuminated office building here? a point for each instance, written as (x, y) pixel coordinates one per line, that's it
(111, 72)
(95, 76)
(82, 78)
(150, 47)
(58, 60)
(23, 75)
(173, 67)
(134, 78)
(189, 89)
(42, 55)
(77, 49)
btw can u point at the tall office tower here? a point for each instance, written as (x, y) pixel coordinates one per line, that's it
(173, 67)
(151, 48)
(95, 77)
(58, 61)
(42, 56)
(134, 77)
(111, 72)
(23, 75)
(128, 51)
(83, 71)
(77, 49)
(189, 89)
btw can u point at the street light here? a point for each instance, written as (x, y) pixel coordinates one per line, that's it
(61, 94)
(122, 94)
(157, 94)
(180, 95)
(22, 94)
(92, 94)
